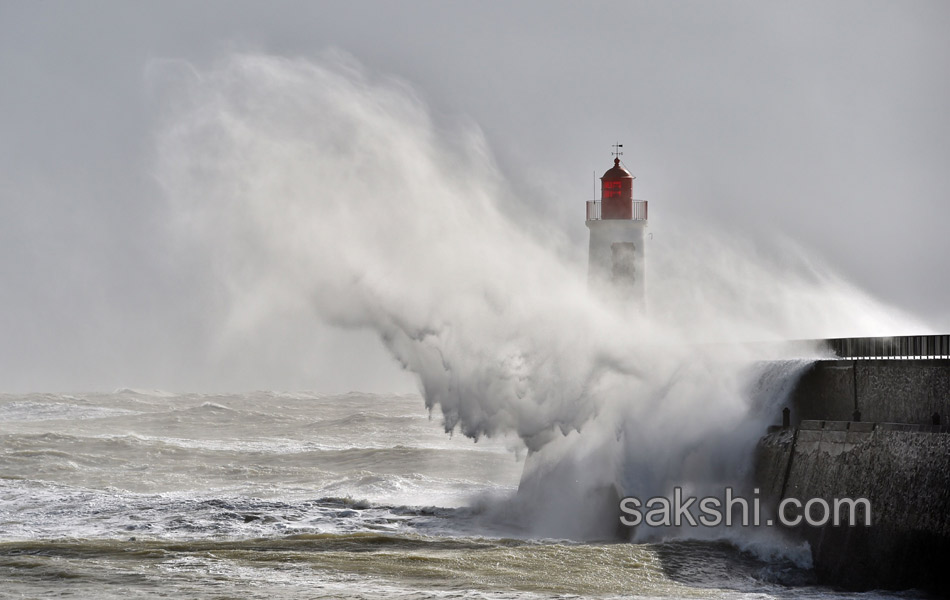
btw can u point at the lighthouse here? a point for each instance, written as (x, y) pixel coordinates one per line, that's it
(616, 253)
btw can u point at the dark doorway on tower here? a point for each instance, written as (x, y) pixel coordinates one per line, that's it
(623, 261)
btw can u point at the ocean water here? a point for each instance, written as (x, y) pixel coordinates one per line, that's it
(138, 494)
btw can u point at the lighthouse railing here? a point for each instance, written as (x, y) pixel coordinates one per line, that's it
(593, 210)
(904, 346)
(638, 210)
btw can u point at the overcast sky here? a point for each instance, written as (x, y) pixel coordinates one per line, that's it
(825, 122)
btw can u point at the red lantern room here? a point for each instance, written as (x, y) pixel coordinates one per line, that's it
(616, 193)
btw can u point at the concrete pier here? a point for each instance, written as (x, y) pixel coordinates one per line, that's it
(876, 429)
(882, 391)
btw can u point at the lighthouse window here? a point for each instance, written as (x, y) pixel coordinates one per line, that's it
(610, 189)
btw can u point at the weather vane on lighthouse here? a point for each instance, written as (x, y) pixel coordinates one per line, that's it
(616, 223)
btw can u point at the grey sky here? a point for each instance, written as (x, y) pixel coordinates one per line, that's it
(824, 122)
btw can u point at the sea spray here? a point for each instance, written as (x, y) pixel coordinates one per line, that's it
(316, 187)
(571, 488)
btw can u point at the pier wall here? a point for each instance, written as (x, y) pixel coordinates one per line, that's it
(905, 474)
(894, 456)
(886, 391)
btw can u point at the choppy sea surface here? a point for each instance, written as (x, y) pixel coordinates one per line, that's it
(138, 494)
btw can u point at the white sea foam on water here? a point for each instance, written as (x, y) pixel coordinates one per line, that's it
(381, 449)
(212, 524)
(29, 410)
(100, 482)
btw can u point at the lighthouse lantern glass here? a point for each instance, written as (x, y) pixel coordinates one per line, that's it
(610, 189)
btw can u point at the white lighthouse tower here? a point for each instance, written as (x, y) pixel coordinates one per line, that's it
(617, 223)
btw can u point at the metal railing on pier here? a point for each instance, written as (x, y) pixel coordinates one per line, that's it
(904, 346)
(638, 210)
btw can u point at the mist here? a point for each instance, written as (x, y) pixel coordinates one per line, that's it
(316, 189)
